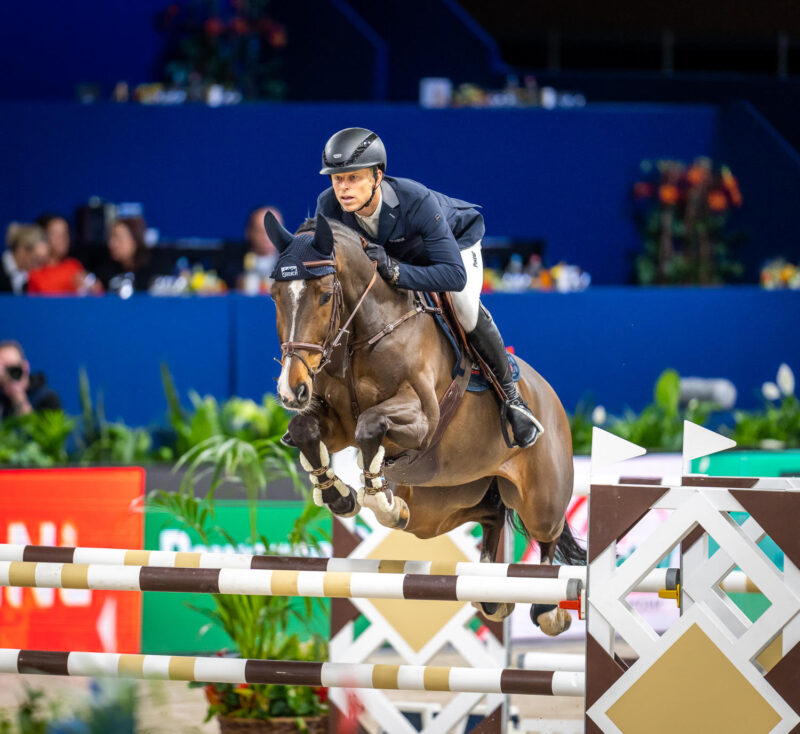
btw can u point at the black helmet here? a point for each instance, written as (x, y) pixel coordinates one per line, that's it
(351, 149)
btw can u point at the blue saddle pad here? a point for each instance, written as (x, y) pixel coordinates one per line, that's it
(478, 383)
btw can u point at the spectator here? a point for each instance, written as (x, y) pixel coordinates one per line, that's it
(253, 275)
(129, 260)
(61, 274)
(20, 391)
(26, 250)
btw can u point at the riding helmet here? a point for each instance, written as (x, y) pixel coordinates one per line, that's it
(351, 149)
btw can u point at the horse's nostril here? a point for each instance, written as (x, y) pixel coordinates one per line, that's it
(301, 393)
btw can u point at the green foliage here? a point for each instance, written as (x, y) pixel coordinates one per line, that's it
(35, 440)
(581, 425)
(101, 442)
(778, 425)
(31, 716)
(257, 625)
(658, 426)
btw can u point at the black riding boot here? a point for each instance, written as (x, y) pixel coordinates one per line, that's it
(486, 340)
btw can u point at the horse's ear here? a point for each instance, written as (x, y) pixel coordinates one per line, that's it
(280, 236)
(323, 236)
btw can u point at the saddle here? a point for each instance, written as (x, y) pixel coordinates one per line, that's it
(470, 372)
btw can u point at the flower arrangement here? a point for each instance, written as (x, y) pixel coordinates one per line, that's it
(777, 274)
(234, 44)
(682, 213)
(777, 426)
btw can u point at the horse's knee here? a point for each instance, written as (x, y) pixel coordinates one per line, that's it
(371, 429)
(304, 428)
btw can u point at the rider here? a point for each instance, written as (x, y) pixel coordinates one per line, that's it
(421, 240)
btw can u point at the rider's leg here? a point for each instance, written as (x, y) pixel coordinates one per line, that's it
(485, 338)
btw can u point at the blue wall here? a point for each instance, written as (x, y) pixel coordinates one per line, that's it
(48, 47)
(609, 343)
(563, 175)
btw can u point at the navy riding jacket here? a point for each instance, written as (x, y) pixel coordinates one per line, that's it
(422, 229)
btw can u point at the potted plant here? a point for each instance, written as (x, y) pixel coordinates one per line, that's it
(261, 627)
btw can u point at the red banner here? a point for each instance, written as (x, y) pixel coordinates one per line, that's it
(72, 507)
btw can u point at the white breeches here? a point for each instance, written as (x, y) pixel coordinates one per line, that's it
(468, 301)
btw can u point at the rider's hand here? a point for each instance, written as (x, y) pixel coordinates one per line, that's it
(387, 267)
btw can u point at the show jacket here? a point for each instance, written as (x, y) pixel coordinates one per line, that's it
(422, 229)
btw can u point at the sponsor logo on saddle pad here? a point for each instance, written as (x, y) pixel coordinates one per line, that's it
(289, 271)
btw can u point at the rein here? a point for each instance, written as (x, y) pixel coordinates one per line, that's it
(333, 337)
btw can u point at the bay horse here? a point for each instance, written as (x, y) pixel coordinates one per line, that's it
(364, 365)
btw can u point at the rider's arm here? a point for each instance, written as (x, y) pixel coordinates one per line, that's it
(446, 271)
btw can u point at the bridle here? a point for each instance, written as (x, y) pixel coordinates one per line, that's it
(333, 337)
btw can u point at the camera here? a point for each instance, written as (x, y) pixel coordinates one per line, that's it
(14, 372)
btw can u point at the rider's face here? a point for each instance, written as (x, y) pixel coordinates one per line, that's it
(353, 188)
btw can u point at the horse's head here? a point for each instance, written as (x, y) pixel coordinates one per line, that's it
(307, 299)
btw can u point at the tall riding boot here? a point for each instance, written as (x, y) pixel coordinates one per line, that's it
(486, 340)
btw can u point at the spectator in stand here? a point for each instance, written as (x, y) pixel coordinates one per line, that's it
(26, 250)
(253, 274)
(20, 391)
(61, 274)
(129, 260)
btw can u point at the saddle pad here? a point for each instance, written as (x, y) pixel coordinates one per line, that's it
(449, 334)
(478, 383)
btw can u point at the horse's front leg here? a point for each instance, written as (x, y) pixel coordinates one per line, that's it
(328, 489)
(401, 420)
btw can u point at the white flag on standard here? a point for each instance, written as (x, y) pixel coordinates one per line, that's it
(699, 441)
(610, 449)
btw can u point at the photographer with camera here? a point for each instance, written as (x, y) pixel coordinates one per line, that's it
(20, 391)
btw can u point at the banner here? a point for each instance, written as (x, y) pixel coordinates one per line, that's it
(71, 507)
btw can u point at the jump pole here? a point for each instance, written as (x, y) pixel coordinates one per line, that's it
(297, 673)
(336, 585)
(656, 580)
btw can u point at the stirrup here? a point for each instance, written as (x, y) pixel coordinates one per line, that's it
(521, 408)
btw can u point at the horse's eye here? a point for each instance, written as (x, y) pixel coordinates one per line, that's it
(324, 298)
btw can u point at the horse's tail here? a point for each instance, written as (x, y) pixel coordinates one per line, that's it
(568, 552)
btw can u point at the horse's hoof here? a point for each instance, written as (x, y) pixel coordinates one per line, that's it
(550, 619)
(345, 506)
(493, 611)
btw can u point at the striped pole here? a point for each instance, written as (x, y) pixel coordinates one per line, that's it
(280, 672)
(656, 580)
(571, 662)
(288, 583)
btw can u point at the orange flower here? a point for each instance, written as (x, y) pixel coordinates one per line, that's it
(212, 695)
(697, 175)
(717, 201)
(668, 194)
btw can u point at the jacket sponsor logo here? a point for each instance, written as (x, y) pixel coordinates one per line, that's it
(288, 271)
(398, 239)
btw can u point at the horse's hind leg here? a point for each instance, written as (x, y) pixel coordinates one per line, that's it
(551, 619)
(315, 459)
(492, 520)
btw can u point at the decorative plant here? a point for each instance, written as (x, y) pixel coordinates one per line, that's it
(682, 212)
(778, 425)
(35, 440)
(259, 626)
(100, 441)
(236, 45)
(658, 426)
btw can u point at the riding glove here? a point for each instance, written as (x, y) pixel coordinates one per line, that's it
(388, 268)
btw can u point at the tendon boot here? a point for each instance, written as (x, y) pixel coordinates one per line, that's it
(486, 340)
